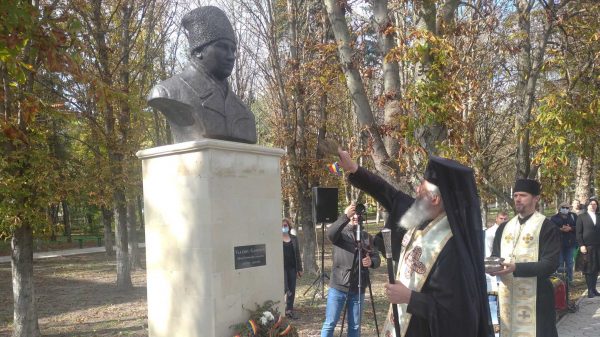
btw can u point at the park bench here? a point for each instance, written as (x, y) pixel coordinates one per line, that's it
(97, 238)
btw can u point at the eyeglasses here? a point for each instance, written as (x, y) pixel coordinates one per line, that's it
(564, 208)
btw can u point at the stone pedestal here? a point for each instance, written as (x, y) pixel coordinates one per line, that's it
(212, 213)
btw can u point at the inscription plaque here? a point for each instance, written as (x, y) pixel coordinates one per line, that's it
(250, 256)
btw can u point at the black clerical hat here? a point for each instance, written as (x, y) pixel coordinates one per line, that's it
(461, 203)
(438, 167)
(527, 185)
(459, 195)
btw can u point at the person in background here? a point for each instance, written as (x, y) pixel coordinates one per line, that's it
(492, 281)
(530, 246)
(490, 232)
(588, 238)
(292, 266)
(566, 220)
(343, 286)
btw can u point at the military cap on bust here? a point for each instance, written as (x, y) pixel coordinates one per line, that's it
(205, 25)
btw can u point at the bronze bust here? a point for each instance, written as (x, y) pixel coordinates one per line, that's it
(198, 102)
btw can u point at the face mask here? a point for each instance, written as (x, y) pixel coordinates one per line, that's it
(285, 230)
(564, 211)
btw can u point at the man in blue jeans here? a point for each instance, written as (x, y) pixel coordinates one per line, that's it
(344, 284)
(565, 220)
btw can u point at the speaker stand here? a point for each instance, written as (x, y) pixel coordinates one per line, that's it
(319, 281)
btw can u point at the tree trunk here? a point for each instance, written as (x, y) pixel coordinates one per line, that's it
(309, 246)
(121, 238)
(67, 220)
(134, 256)
(524, 96)
(297, 147)
(583, 178)
(53, 218)
(529, 64)
(140, 210)
(484, 214)
(384, 166)
(107, 222)
(391, 72)
(89, 218)
(25, 311)
(430, 135)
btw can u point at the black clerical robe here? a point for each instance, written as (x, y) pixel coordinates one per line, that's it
(549, 251)
(445, 306)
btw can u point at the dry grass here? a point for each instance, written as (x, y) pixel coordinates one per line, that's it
(76, 296)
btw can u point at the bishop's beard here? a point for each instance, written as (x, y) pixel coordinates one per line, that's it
(419, 212)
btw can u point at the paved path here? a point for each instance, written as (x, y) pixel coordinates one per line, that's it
(66, 252)
(583, 323)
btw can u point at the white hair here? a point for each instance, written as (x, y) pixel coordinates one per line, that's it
(432, 188)
(422, 208)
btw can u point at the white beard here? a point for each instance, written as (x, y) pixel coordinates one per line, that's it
(418, 212)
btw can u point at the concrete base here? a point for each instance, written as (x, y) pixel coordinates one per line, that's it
(203, 200)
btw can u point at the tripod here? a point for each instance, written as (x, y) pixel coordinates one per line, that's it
(357, 269)
(319, 281)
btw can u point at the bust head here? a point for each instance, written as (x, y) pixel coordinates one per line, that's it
(217, 58)
(211, 40)
(197, 102)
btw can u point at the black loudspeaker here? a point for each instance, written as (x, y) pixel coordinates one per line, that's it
(325, 204)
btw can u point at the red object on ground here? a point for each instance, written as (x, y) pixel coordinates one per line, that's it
(560, 293)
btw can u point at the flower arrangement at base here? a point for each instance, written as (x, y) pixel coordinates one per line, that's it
(265, 321)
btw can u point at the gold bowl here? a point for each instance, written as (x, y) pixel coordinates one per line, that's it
(493, 264)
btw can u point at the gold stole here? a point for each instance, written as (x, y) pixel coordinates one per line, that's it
(517, 295)
(420, 250)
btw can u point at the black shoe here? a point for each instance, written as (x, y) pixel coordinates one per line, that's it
(596, 292)
(291, 315)
(591, 295)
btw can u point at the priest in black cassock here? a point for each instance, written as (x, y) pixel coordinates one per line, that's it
(530, 246)
(440, 289)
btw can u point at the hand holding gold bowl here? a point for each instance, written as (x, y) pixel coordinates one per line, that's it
(493, 264)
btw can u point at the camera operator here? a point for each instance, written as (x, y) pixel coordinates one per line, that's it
(344, 281)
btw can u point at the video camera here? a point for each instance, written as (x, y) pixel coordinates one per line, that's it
(360, 209)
